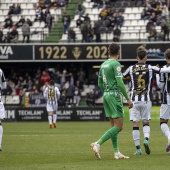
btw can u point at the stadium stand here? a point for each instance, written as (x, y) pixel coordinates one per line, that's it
(134, 26)
(39, 30)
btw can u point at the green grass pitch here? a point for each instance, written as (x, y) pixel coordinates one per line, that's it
(33, 146)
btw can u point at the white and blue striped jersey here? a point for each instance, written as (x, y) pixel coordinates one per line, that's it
(51, 94)
(141, 80)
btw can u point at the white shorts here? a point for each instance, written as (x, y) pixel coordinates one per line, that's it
(52, 108)
(2, 111)
(140, 110)
(165, 111)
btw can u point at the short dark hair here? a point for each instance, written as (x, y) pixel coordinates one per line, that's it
(52, 82)
(167, 53)
(114, 49)
(141, 54)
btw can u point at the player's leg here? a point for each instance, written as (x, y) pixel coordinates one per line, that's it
(2, 116)
(135, 117)
(145, 115)
(1, 133)
(146, 132)
(118, 125)
(164, 117)
(96, 145)
(54, 119)
(50, 115)
(55, 108)
(136, 137)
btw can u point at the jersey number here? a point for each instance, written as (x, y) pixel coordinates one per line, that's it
(141, 82)
(51, 95)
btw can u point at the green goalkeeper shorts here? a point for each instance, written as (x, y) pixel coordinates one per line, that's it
(113, 105)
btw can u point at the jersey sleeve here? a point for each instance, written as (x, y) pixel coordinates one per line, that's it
(45, 92)
(57, 93)
(165, 70)
(160, 83)
(122, 87)
(117, 70)
(126, 73)
(3, 81)
(155, 69)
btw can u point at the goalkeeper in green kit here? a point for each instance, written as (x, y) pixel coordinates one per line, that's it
(111, 83)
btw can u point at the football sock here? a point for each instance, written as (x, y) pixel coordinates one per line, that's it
(136, 136)
(1, 133)
(146, 131)
(54, 118)
(165, 130)
(109, 134)
(50, 119)
(115, 143)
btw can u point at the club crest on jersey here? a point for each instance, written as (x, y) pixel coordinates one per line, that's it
(118, 68)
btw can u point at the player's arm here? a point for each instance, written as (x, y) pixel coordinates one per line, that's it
(122, 88)
(126, 73)
(58, 93)
(160, 81)
(45, 93)
(100, 84)
(161, 70)
(165, 70)
(100, 81)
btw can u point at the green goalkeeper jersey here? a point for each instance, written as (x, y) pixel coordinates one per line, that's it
(110, 77)
(109, 70)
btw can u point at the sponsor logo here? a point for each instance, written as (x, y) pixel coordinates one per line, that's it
(30, 112)
(9, 114)
(89, 114)
(64, 114)
(5, 51)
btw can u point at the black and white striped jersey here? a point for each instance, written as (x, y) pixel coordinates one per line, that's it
(51, 94)
(165, 78)
(141, 78)
(3, 84)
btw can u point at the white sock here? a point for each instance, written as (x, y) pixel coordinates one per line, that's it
(1, 133)
(146, 131)
(136, 137)
(54, 118)
(165, 130)
(50, 119)
(97, 144)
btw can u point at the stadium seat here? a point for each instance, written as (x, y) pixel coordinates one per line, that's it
(32, 12)
(25, 12)
(36, 24)
(134, 22)
(91, 86)
(88, 11)
(135, 10)
(131, 16)
(4, 6)
(58, 11)
(2, 18)
(138, 16)
(128, 10)
(134, 36)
